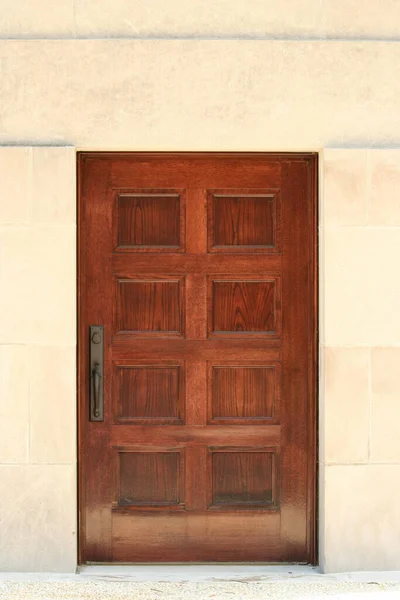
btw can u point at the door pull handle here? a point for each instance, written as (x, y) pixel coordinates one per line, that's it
(96, 389)
(96, 373)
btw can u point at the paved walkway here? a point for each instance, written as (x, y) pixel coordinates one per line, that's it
(200, 583)
(12, 590)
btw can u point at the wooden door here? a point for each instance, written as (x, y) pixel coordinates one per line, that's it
(202, 270)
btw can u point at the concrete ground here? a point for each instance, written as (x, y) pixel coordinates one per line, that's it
(200, 582)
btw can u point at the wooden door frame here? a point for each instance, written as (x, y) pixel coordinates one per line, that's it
(313, 303)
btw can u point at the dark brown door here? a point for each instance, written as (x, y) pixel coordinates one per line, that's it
(201, 269)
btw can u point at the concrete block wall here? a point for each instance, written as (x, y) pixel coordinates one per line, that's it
(343, 19)
(38, 511)
(360, 352)
(199, 95)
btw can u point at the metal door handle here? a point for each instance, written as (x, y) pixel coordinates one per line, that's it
(96, 373)
(96, 389)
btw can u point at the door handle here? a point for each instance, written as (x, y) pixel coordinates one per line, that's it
(96, 373)
(96, 389)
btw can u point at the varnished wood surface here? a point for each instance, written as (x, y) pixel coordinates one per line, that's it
(149, 306)
(246, 218)
(149, 478)
(148, 220)
(243, 306)
(236, 482)
(193, 537)
(201, 264)
(240, 392)
(243, 435)
(148, 392)
(202, 269)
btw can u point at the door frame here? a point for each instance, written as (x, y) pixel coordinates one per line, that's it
(313, 302)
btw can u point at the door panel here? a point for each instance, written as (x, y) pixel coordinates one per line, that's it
(201, 268)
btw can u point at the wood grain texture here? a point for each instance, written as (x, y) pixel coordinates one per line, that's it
(247, 436)
(240, 393)
(262, 348)
(189, 536)
(94, 233)
(148, 478)
(167, 331)
(200, 170)
(198, 264)
(297, 369)
(196, 391)
(149, 306)
(149, 392)
(242, 478)
(241, 218)
(151, 219)
(243, 307)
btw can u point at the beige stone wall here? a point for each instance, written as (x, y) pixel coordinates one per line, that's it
(199, 95)
(360, 358)
(38, 511)
(191, 95)
(200, 18)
